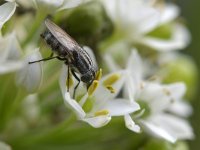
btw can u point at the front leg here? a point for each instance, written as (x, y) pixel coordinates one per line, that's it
(74, 74)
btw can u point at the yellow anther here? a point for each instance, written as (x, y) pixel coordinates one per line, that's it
(166, 91)
(93, 87)
(101, 113)
(111, 79)
(71, 82)
(99, 74)
(110, 88)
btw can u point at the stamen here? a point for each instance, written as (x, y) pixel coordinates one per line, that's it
(111, 80)
(111, 89)
(99, 74)
(93, 87)
(101, 113)
(166, 91)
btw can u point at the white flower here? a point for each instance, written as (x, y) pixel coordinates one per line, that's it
(6, 12)
(30, 75)
(180, 36)
(99, 104)
(162, 104)
(135, 20)
(10, 54)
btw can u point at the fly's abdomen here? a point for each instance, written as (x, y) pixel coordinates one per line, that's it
(54, 43)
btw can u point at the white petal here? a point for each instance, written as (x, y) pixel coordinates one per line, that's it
(132, 15)
(98, 121)
(179, 40)
(145, 18)
(11, 66)
(72, 3)
(112, 66)
(120, 107)
(4, 146)
(157, 131)
(180, 108)
(176, 90)
(175, 126)
(130, 124)
(10, 49)
(6, 11)
(135, 65)
(102, 94)
(62, 80)
(169, 13)
(72, 104)
(30, 76)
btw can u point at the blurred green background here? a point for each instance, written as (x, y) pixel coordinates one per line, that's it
(190, 11)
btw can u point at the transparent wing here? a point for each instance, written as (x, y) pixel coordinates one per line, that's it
(65, 39)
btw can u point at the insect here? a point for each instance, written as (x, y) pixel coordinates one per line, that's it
(69, 51)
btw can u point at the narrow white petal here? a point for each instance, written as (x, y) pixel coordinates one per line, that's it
(72, 104)
(11, 66)
(102, 94)
(179, 40)
(30, 76)
(62, 79)
(169, 13)
(180, 108)
(176, 90)
(112, 66)
(135, 65)
(130, 124)
(158, 131)
(120, 107)
(98, 121)
(175, 126)
(6, 11)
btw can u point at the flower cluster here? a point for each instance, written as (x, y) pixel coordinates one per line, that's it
(137, 44)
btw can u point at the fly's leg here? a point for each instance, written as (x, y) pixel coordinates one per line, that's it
(68, 78)
(48, 58)
(73, 73)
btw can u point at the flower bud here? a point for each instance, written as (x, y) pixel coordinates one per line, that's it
(89, 23)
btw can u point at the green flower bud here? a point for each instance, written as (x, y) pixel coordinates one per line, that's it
(182, 69)
(155, 144)
(163, 32)
(88, 23)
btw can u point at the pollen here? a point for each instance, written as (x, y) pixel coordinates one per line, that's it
(111, 89)
(99, 74)
(111, 80)
(101, 113)
(93, 87)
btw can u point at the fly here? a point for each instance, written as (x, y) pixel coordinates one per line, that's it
(69, 51)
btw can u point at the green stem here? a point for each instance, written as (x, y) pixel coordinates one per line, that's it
(40, 16)
(45, 135)
(16, 103)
